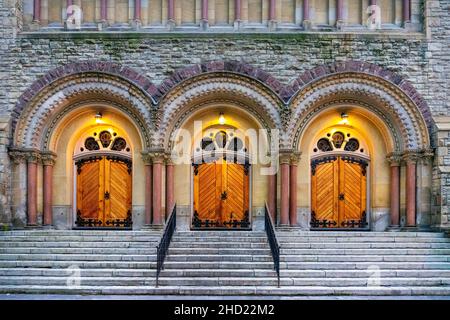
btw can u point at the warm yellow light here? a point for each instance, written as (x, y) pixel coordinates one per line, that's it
(98, 118)
(221, 118)
(344, 117)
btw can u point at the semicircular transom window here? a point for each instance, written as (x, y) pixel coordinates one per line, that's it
(105, 140)
(339, 141)
(222, 140)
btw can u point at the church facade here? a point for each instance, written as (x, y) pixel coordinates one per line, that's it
(333, 113)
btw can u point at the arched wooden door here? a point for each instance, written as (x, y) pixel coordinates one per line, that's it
(338, 192)
(221, 195)
(104, 192)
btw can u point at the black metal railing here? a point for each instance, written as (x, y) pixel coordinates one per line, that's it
(163, 246)
(273, 242)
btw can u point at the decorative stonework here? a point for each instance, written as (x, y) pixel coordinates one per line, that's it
(394, 159)
(404, 115)
(48, 158)
(182, 102)
(67, 95)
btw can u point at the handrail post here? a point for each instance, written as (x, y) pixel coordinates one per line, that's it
(273, 242)
(163, 247)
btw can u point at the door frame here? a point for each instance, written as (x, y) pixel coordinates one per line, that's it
(197, 159)
(74, 194)
(368, 190)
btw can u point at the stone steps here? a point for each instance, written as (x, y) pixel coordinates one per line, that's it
(224, 263)
(230, 291)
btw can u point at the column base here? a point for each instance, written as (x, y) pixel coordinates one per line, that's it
(204, 25)
(393, 228)
(307, 25)
(35, 25)
(136, 24)
(153, 227)
(48, 227)
(237, 25)
(33, 226)
(289, 228)
(170, 25)
(409, 228)
(102, 25)
(339, 25)
(273, 25)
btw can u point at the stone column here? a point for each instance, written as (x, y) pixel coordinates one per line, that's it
(171, 14)
(395, 162)
(339, 14)
(406, 12)
(103, 11)
(33, 158)
(170, 188)
(293, 189)
(204, 20)
(48, 161)
(137, 14)
(411, 161)
(284, 167)
(237, 14)
(148, 188)
(272, 18)
(158, 162)
(272, 197)
(306, 15)
(36, 11)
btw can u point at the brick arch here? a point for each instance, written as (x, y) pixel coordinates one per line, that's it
(381, 89)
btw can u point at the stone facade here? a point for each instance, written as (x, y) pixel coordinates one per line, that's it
(416, 62)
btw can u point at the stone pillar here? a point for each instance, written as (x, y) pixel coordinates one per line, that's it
(395, 162)
(204, 20)
(272, 197)
(293, 189)
(148, 189)
(372, 2)
(170, 188)
(137, 14)
(411, 161)
(103, 11)
(237, 14)
(272, 18)
(171, 14)
(158, 162)
(406, 12)
(36, 11)
(306, 15)
(339, 14)
(32, 170)
(48, 161)
(284, 210)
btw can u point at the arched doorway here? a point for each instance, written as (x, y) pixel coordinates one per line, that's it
(339, 171)
(103, 179)
(221, 178)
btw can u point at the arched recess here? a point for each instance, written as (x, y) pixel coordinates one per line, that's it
(398, 126)
(68, 104)
(245, 103)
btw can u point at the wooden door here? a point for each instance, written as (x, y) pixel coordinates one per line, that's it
(221, 195)
(338, 193)
(103, 192)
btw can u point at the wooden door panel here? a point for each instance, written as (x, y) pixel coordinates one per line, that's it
(89, 189)
(119, 190)
(325, 193)
(236, 192)
(205, 191)
(353, 186)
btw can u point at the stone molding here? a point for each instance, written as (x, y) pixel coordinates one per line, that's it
(394, 159)
(48, 158)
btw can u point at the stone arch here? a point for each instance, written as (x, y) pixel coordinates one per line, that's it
(386, 94)
(225, 87)
(49, 98)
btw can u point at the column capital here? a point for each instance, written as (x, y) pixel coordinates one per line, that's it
(157, 155)
(168, 159)
(146, 158)
(48, 158)
(285, 156)
(17, 156)
(394, 158)
(411, 156)
(295, 157)
(427, 155)
(33, 156)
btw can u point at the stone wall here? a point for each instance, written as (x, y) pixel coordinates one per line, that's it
(422, 58)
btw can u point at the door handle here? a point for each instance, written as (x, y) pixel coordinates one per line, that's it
(341, 196)
(106, 195)
(224, 195)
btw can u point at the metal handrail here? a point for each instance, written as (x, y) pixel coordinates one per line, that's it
(163, 246)
(273, 241)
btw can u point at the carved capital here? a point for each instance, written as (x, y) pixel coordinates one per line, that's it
(146, 158)
(17, 156)
(411, 156)
(285, 156)
(394, 158)
(427, 156)
(48, 158)
(157, 156)
(295, 157)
